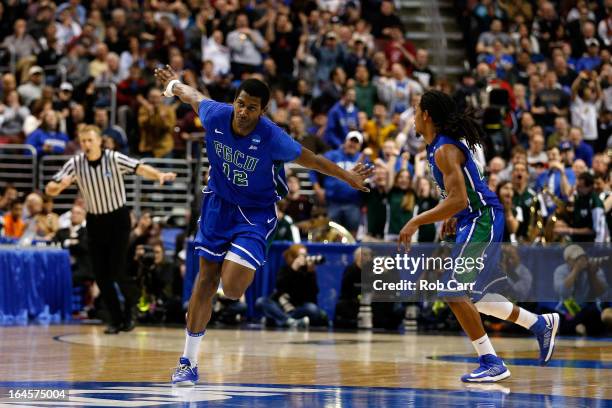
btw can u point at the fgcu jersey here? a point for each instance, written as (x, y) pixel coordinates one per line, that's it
(247, 171)
(479, 195)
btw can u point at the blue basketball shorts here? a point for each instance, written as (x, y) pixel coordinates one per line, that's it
(477, 237)
(228, 231)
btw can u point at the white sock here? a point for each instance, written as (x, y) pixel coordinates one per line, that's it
(483, 346)
(192, 346)
(525, 318)
(494, 304)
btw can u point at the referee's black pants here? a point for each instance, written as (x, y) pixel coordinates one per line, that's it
(108, 244)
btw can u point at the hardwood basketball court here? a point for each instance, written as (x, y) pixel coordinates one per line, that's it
(292, 368)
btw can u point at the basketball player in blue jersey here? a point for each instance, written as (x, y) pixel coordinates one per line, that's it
(247, 152)
(475, 214)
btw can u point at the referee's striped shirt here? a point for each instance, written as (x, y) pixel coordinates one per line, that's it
(100, 181)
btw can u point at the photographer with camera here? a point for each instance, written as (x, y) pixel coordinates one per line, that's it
(155, 278)
(580, 283)
(294, 301)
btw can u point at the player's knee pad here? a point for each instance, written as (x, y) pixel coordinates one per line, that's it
(494, 305)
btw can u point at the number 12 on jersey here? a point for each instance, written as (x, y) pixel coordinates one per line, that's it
(240, 177)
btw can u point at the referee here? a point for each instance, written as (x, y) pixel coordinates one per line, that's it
(99, 175)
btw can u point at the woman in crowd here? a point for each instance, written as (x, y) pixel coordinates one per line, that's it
(402, 201)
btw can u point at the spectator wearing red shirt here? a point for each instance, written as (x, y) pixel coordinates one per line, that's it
(399, 49)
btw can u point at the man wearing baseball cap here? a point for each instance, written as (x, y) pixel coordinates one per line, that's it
(343, 202)
(354, 136)
(580, 282)
(64, 98)
(66, 87)
(32, 90)
(567, 153)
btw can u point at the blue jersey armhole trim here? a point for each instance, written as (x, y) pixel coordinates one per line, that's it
(444, 139)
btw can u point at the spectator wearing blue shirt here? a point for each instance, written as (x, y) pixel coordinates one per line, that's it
(499, 60)
(567, 153)
(557, 179)
(572, 62)
(582, 150)
(591, 60)
(76, 10)
(341, 119)
(46, 139)
(343, 202)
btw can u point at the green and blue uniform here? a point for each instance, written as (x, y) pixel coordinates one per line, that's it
(479, 226)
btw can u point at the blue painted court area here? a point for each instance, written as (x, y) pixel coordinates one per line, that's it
(604, 365)
(94, 394)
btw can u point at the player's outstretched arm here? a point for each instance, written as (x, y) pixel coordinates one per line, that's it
(184, 92)
(355, 177)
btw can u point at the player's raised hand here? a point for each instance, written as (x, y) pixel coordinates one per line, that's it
(358, 176)
(165, 75)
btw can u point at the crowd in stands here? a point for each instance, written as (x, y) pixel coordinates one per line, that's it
(345, 81)
(542, 82)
